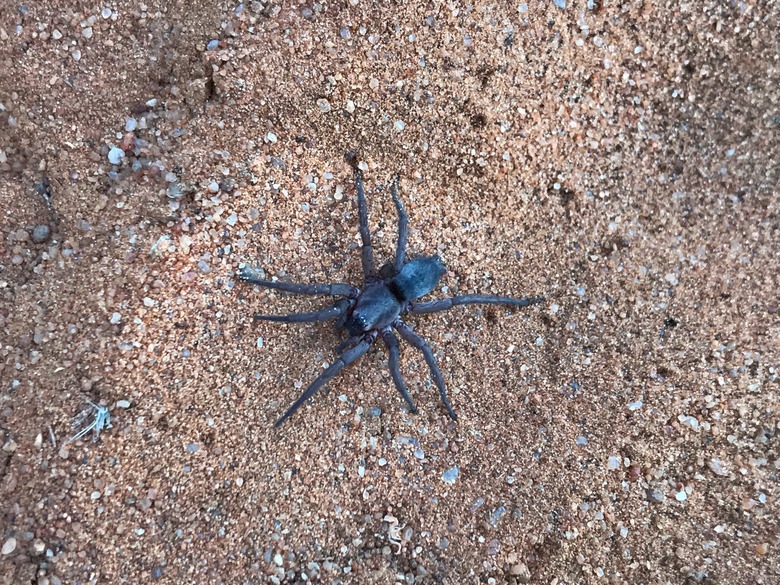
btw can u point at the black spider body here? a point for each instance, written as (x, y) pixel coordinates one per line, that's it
(381, 303)
(377, 308)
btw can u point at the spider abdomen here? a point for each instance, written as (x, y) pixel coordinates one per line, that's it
(417, 278)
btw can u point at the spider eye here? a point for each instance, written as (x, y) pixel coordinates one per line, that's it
(356, 324)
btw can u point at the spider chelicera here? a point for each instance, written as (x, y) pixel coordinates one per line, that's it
(376, 309)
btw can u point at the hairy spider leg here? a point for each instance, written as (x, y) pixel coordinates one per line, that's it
(330, 372)
(334, 290)
(331, 312)
(418, 342)
(403, 227)
(366, 252)
(448, 303)
(391, 341)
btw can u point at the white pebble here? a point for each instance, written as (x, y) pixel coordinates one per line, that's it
(350, 107)
(324, 105)
(613, 462)
(106, 13)
(213, 187)
(115, 318)
(632, 406)
(681, 496)
(399, 125)
(9, 546)
(115, 155)
(87, 32)
(56, 34)
(148, 302)
(259, 343)
(271, 137)
(131, 124)
(123, 403)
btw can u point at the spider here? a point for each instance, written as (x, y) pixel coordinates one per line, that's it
(377, 309)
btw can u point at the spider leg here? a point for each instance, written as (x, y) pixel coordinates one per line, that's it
(403, 227)
(391, 341)
(247, 275)
(348, 344)
(330, 372)
(366, 252)
(444, 304)
(322, 315)
(418, 342)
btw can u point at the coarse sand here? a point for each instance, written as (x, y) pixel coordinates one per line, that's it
(619, 158)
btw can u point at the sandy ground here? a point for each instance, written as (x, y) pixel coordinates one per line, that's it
(620, 158)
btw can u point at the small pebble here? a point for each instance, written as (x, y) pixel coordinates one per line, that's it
(106, 13)
(9, 546)
(123, 403)
(212, 45)
(271, 137)
(450, 475)
(131, 124)
(87, 32)
(41, 233)
(716, 466)
(115, 155)
(213, 187)
(323, 105)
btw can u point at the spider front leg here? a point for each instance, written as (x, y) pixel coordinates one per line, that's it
(337, 310)
(418, 342)
(249, 276)
(330, 372)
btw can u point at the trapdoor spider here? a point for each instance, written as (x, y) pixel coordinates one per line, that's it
(376, 309)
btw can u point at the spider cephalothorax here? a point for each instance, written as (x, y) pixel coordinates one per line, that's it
(376, 309)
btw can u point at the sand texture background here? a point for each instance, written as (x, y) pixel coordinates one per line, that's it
(620, 158)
